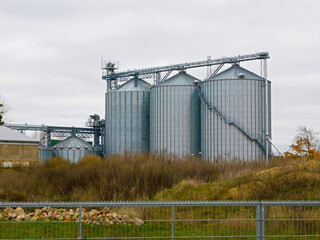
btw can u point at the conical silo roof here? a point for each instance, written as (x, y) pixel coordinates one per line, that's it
(73, 142)
(134, 84)
(180, 79)
(235, 72)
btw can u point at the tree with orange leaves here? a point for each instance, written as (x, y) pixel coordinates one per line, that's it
(306, 143)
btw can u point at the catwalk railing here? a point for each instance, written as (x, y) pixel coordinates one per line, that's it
(160, 220)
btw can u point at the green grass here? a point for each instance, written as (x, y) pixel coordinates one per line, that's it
(158, 230)
(25, 230)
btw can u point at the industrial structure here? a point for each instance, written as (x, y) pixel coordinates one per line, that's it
(225, 116)
(235, 116)
(127, 118)
(73, 149)
(175, 116)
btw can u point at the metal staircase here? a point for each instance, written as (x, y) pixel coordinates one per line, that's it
(231, 121)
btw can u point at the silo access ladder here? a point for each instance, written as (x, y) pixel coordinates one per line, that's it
(229, 121)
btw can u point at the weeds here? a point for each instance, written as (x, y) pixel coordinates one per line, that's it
(160, 177)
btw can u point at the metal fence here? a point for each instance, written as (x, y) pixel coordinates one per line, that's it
(160, 220)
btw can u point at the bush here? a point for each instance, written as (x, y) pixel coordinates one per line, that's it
(143, 177)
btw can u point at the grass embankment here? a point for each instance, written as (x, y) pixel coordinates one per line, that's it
(279, 179)
(147, 177)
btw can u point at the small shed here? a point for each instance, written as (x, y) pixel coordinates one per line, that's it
(74, 148)
(16, 147)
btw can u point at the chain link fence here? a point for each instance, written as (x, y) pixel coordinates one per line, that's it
(160, 220)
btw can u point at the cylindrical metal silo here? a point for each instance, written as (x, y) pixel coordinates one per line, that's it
(175, 116)
(233, 115)
(127, 125)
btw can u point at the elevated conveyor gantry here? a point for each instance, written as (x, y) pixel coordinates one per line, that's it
(112, 77)
(58, 131)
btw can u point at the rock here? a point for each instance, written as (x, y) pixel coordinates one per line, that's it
(12, 215)
(64, 214)
(99, 218)
(94, 212)
(105, 210)
(111, 215)
(50, 213)
(46, 209)
(19, 211)
(94, 216)
(38, 212)
(23, 216)
(8, 210)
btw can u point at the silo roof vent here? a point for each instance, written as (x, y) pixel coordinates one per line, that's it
(73, 142)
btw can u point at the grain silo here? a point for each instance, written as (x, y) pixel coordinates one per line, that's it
(175, 116)
(233, 115)
(127, 118)
(73, 149)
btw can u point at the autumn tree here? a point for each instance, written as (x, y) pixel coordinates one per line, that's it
(306, 143)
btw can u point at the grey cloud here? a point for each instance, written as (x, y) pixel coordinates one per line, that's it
(50, 51)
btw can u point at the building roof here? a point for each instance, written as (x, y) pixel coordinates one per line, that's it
(73, 142)
(9, 135)
(235, 72)
(180, 79)
(134, 84)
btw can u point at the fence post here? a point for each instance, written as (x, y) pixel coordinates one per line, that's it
(172, 222)
(260, 221)
(80, 222)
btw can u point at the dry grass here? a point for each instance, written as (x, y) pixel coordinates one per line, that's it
(278, 179)
(147, 177)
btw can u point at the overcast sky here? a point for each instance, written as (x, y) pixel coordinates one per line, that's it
(50, 52)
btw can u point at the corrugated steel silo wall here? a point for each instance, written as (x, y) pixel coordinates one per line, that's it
(175, 120)
(242, 101)
(127, 122)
